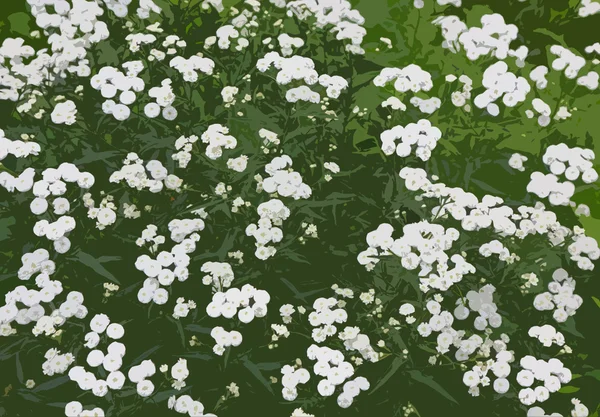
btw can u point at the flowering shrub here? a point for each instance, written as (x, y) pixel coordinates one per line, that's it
(299, 208)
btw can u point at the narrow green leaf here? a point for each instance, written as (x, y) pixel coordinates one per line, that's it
(53, 383)
(254, 370)
(19, 369)
(552, 35)
(90, 261)
(30, 397)
(146, 354)
(427, 380)
(396, 363)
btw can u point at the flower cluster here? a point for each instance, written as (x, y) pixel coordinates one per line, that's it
(182, 308)
(184, 147)
(238, 164)
(38, 263)
(410, 78)
(224, 339)
(247, 303)
(134, 174)
(150, 235)
(105, 214)
(292, 377)
(566, 61)
(346, 21)
(110, 82)
(516, 161)
(354, 340)
(547, 335)
(111, 362)
(186, 405)
(323, 318)
(495, 247)
(189, 68)
(490, 212)
(56, 362)
(138, 375)
(272, 213)
(217, 138)
(283, 180)
(562, 160)
(179, 373)
(164, 97)
(501, 83)
(460, 98)
(421, 136)
(422, 246)
(500, 367)
(169, 265)
(330, 365)
(17, 148)
(560, 297)
(218, 274)
(551, 373)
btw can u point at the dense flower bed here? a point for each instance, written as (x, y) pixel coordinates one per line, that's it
(299, 208)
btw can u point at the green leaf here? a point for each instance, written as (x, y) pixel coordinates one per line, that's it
(19, 369)
(554, 36)
(427, 380)
(197, 355)
(596, 300)
(396, 363)
(5, 224)
(179, 330)
(569, 389)
(146, 354)
(569, 326)
(165, 5)
(91, 156)
(594, 374)
(163, 395)
(254, 370)
(268, 366)
(29, 397)
(108, 55)
(19, 23)
(90, 261)
(53, 383)
(198, 329)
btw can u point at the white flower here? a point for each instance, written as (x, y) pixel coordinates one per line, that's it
(64, 113)
(145, 388)
(406, 309)
(99, 323)
(179, 371)
(115, 331)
